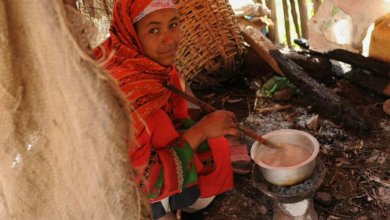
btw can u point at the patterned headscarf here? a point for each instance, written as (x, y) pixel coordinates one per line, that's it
(139, 77)
(154, 6)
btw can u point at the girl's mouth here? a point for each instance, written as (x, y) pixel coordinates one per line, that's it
(171, 52)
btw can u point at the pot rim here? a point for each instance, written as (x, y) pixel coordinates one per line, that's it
(286, 131)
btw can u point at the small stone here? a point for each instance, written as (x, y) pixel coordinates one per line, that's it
(262, 210)
(324, 198)
(354, 209)
(313, 123)
(339, 196)
(327, 149)
(386, 106)
(283, 95)
(331, 217)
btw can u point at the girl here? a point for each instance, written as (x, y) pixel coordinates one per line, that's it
(179, 164)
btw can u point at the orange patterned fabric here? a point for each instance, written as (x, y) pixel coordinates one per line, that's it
(139, 77)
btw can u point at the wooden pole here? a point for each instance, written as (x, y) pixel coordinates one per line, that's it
(303, 15)
(295, 18)
(273, 30)
(287, 23)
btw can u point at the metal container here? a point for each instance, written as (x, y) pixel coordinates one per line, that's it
(291, 175)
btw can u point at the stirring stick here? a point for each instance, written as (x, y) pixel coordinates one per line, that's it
(209, 108)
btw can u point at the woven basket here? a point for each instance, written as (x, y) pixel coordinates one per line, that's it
(212, 45)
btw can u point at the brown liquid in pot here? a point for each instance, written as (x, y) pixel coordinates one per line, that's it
(284, 156)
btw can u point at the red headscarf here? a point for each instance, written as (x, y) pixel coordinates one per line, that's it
(139, 77)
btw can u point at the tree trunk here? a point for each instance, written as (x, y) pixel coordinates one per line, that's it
(304, 17)
(287, 23)
(295, 18)
(273, 30)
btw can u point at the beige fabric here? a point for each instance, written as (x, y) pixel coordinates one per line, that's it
(63, 125)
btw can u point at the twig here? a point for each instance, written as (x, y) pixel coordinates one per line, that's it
(332, 213)
(273, 108)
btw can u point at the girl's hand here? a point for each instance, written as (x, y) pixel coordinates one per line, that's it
(215, 124)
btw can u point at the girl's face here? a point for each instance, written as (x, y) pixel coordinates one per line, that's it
(159, 35)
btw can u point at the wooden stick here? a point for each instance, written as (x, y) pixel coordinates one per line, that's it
(273, 30)
(287, 23)
(303, 16)
(295, 18)
(209, 108)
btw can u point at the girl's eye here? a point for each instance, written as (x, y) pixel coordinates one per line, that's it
(173, 25)
(153, 31)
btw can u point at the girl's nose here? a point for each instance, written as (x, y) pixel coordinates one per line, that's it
(169, 38)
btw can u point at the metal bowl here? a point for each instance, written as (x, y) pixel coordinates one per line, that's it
(290, 175)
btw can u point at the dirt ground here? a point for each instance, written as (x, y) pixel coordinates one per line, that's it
(357, 181)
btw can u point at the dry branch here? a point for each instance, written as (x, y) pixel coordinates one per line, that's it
(321, 69)
(374, 65)
(332, 105)
(369, 81)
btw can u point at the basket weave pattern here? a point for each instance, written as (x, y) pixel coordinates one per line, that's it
(212, 45)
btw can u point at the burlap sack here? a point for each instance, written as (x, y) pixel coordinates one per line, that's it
(99, 13)
(380, 39)
(63, 124)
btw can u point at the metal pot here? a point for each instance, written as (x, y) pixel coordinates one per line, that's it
(291, 175)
